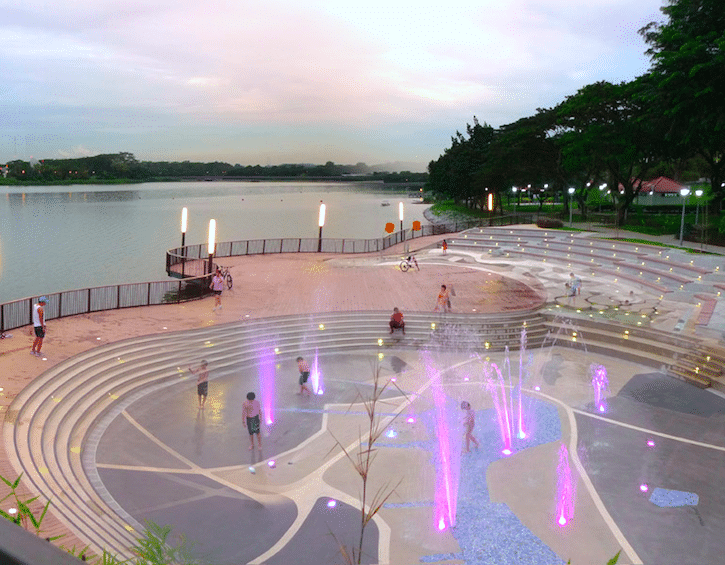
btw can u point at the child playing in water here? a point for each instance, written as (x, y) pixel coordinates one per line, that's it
(253, 412)
(469, 421)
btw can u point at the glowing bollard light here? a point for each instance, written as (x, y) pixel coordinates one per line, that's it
(331, 503)
(644, 487)
(650, 443)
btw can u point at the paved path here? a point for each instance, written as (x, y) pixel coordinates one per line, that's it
(299, 284)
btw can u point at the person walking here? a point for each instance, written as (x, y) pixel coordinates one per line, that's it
(217, 285)
(469, 422)
(443, 302)
(38, 325)
(304, 369)
(444, 246)
(202, 382)
(252, 411)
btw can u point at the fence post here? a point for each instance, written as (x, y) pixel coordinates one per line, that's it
(60, 304)
(148, 294)
(118, 297)
(281, 243)
(178, 294)
(299, 246)
(264, 246)
(88, 302)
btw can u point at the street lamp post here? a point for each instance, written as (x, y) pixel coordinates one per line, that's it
(400, 215)
(515, 190)
(684, 192)
(184, 214)
(698, 193)
(321, 223)
(571, 198)
(212, 243)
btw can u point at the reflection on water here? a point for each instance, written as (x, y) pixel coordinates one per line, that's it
(86, 235)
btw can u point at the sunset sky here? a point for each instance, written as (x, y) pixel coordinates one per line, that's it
(296, 82)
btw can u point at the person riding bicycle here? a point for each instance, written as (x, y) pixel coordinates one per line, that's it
(412, 260)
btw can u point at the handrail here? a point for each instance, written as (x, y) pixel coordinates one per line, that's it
(191, 257)
(19, 313)
(191, 281)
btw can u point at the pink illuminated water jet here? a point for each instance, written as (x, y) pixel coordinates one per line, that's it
(316, 377)
(565, 489)
(600, 384)
(266, 377)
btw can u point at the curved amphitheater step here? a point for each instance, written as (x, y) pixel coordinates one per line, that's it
(58, 416)
(703, 366)
(53, 440)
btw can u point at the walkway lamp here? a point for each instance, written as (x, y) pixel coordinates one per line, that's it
(515, 191)
(212, 243)
(184, 214)
(571, 199)
(698, 193)
(400, 215)
(684, 192)
(321, 223)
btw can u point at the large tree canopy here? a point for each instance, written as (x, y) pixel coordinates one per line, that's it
(687, 79)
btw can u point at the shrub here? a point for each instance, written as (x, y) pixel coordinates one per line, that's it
(551, 223)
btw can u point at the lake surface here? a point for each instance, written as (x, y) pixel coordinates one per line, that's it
(61, 238)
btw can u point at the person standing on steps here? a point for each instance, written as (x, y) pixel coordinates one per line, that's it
(443, 300)
(444, 246)
(38, 325)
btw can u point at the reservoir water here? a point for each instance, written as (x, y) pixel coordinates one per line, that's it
(55, 238)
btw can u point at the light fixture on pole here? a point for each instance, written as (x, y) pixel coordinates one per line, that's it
(571, 198)
(184, 214)
(212, 243)
(698, 193)
(320, 223)
(515, 191)
(684, 192)
(400, 215)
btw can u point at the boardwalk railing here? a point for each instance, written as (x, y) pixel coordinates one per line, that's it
(189, 264)
(192, 257)
(19, 313)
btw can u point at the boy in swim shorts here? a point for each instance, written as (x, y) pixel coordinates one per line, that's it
(202, 382)
(304, 375)
(253, 413)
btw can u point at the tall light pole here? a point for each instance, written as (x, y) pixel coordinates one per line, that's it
(684, 192)
(184, 214)
(212, 243)
(571, 198)
(515, 190)
(320, 223)
(698, 193)
(400, 215)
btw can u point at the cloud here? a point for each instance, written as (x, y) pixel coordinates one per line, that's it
(372, 70)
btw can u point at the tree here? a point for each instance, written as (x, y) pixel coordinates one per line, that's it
(604, 127)
(688, 80)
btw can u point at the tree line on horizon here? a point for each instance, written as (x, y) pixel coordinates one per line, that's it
(668, 122)
(125, 166)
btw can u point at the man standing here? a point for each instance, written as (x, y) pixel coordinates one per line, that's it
(202, 382)
(304, 369)
(217, 285)
(38, 325)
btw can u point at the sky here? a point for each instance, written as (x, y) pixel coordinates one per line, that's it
(374, 81)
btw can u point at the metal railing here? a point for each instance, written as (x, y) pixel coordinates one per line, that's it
(189, 265)
(189, 260)
(19, 313)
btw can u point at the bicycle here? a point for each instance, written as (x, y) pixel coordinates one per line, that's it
(227, 276)
(408, 263)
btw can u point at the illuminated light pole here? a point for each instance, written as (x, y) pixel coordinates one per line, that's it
(321, 223)
(684, 192)
(184, 214)
(515, 191)
(212, 243)
(400, 215)
(698, 193)
(571, 199)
